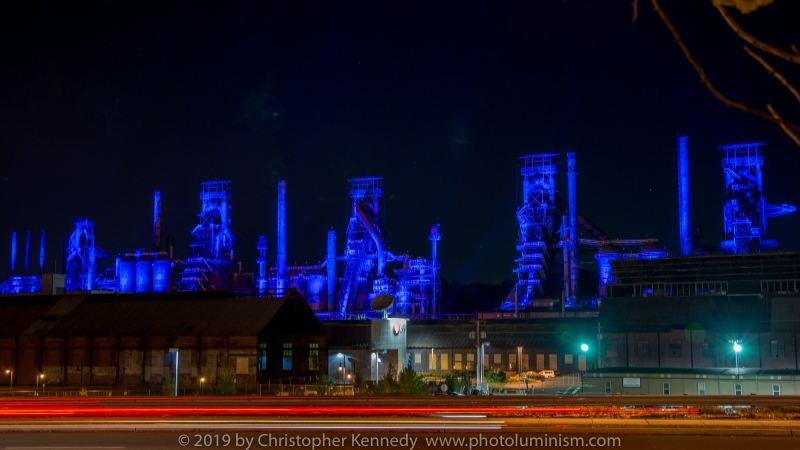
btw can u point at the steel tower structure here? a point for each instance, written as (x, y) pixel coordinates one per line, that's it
(365, 255)
(535, 219)
(81, 257)
(211, 262)
(746, 211)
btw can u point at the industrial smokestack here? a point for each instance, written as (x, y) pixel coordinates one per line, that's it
(27, 253)
(281, 259)
(13, 253)
(434, 237)
(64, 254)
(261, 282)
(574, 254)
(41, 254)
(331, 266)
(684, 203)
(157, 221)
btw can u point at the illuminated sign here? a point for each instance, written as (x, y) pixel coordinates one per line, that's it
(632, 382)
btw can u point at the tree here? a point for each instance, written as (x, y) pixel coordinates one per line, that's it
(168, 387)
(411, 382)
(495, 382)
(458, 381)
(226, 382)
(744, 7)
(323, 385)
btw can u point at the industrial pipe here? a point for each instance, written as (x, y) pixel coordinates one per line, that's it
(41, 254)
(565, 249)
(281, 259)
(331, 267)
(157, 221)
(574, 256)
(373, 233)
(27, 253)
(13, 253)
(583, 222)
(684, 200)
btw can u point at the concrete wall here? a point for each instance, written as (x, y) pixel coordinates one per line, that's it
(680, 384)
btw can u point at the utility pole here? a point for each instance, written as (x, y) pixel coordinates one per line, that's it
(600, 338)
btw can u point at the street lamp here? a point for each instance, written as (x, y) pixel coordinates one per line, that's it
(736, 349)
(40, 377)
(584, 348)
(10, 374)
(341, 365)
(202, 379)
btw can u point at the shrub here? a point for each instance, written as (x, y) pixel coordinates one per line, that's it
(226, 383)
(323, 385)
(168, 387)
(411, 383)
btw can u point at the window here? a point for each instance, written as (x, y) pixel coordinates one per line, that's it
(445, 361)
(701, 389)
(457, 358)
(470, 357)
(313, 356)
(666, 388)
(568, 359)
(675, 349)
(737, 389)
(643, 349)
(512, 362)
(608, 387)
(777, 349)
(417, 358)
(498, 359)
(432, 362)
(776, 389)
(287, 356)
(611, 348)
(525, 362)
(709, 350)
(262, 356)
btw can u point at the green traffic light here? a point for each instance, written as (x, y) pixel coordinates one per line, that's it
(584, 347)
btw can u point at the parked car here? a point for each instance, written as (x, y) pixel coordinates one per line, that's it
(547, 374)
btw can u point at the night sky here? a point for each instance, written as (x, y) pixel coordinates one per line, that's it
(101, 102)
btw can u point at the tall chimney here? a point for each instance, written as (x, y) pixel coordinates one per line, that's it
(574, 254)
(27, 253)
(157, 221)
(13, 253)
(281, 259)
(331, 266)
(684, 203)
(434, 237)
(261, 282)
(41, 254)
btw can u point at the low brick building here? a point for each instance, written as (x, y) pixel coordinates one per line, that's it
(125, 340)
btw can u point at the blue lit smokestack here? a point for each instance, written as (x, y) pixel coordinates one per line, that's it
(281, 260)
(92, 266)
(27, 253)
(331, 266)
(261, 282)
(434, 237)
(574, 257)
(13, 253)
(684, 204)
(157, 221)
(41, 254)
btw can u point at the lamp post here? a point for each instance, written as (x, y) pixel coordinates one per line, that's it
(39, 377)
(202, 379)
(341, 366)
(736, 349)
(584, 349)
(10, 374)
(175, 350)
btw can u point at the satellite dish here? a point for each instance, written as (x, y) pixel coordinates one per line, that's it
(382, 302)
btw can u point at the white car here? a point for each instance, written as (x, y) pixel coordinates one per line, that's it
(547, 374)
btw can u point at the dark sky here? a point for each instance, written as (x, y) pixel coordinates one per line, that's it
(101, 102)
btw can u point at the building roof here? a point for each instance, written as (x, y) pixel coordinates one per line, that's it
(210, 313)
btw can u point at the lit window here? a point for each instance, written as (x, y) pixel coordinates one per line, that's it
(313, 356)
(287, 356)
(666, 388)
(776, 389)
(262, 356)
(701, 389)
(737, 389)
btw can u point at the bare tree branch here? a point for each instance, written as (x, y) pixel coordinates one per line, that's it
(786, 129)
(774, 73)
(755, 42)
(704, 79)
